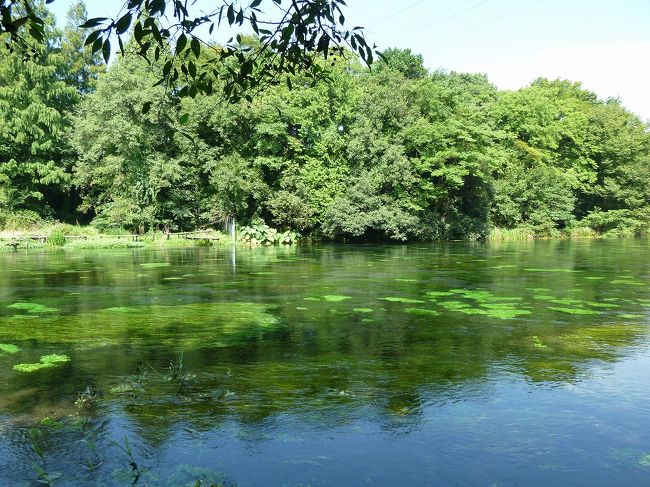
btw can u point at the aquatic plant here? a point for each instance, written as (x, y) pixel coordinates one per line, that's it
(333, 298)
(179, 375)
(135, 473)
(537, 343)
(32, 367)
(575, 311)
(123, 309)
(87, 399)
(421, 311)
(9, 348)
(32, 307)
(54, 359)
(155, 265)
(363, 310)
(47, 361)
(397, 299)
(436, 294)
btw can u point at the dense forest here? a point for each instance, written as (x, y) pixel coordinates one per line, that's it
(395, 152)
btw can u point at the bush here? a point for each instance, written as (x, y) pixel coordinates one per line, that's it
(19, 220)
(57, 238)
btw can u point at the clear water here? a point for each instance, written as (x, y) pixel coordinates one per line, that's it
(451, 364)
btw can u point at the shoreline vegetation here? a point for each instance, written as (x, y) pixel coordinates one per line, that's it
(78, 237)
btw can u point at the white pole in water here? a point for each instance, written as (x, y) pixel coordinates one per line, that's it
(231, 221)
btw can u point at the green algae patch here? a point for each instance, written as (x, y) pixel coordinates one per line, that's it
(555, 269)
(595, 304)
(220, 324)
(155, 265)
(54, 359)
(9, 348)
(566, 301)
(47, 362)
(311, 298)
(335, 298)
(33, 367)
(537, 343)
(123, 309)
(594, 278)
(543, 297)
(435, 294)
(34, 308)
(362, 310)
(575, 311)
(627, 282)
(507, 314)
(631, 316)
(301, 308)
(473, 311)
(421, 311)
(397, 299)
(172, 278)
(454, 305)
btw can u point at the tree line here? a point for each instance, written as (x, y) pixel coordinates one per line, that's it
(396, 152)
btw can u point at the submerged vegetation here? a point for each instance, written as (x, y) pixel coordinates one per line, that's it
(396, 153)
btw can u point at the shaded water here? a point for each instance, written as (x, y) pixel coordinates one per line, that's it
(452, 364)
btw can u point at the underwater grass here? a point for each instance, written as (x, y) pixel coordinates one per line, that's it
(47, 362)
(9, 348)
(422, 311)
(335, 298)
(398, 299)
(575, 311)
(32, 307)
(213, 324)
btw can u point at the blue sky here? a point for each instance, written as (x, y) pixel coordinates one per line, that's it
(605, 44)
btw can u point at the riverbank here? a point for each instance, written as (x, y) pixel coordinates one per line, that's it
(75, 237)
(87, 237)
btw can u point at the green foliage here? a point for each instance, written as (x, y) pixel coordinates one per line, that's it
(57, 238)
(396, 154)
(262, 234)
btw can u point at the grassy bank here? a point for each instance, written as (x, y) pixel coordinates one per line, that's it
(76, 237)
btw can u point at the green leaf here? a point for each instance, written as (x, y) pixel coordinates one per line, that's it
(181, 43)
(196, 47)
(93, 22)
(122, 25)
(106, 50)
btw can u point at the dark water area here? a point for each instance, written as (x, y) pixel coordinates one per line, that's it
(516, 364)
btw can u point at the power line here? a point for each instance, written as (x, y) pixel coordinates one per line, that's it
(390, 17)
(494, 19)
(444, 19)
